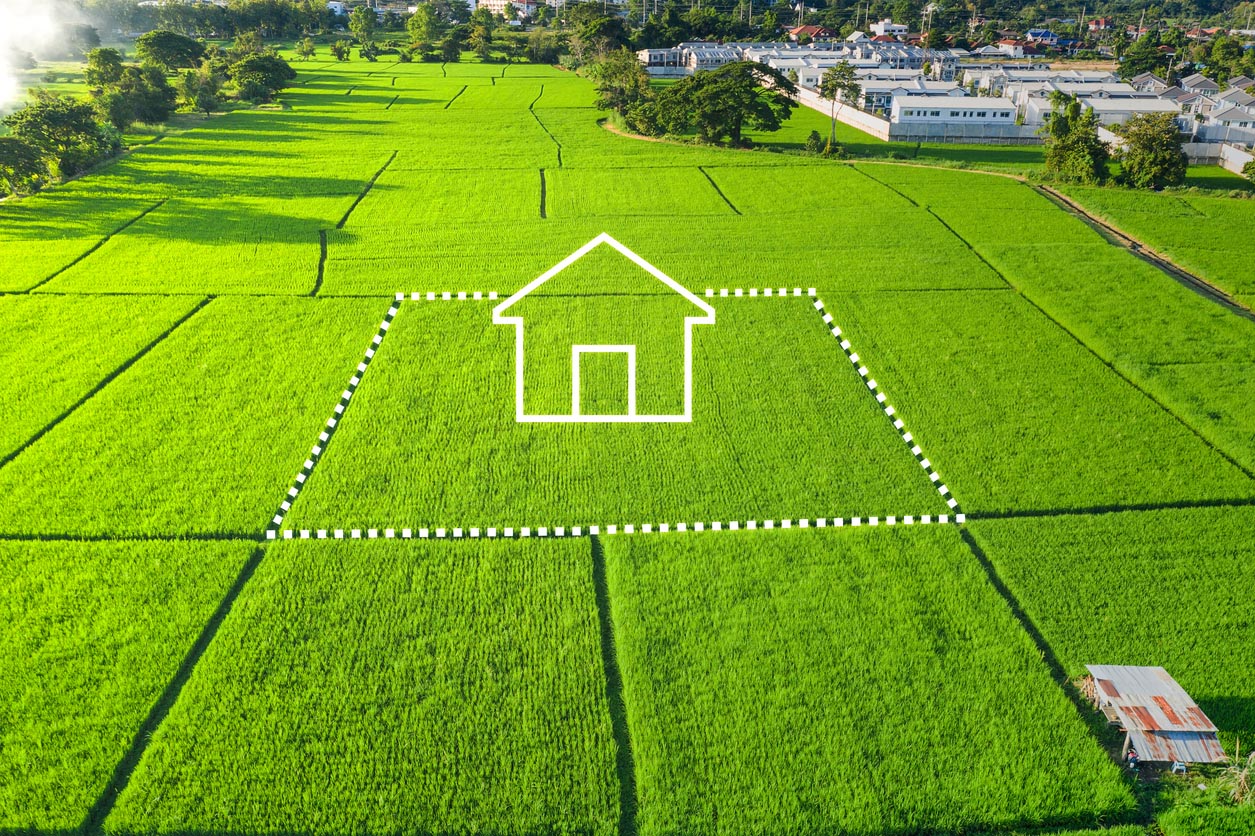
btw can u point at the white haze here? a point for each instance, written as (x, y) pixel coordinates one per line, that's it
(25, 26)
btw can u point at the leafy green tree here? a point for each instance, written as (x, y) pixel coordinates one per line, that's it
(306, 49)
(362, 22)
(116, 108)
(543, 47)
(259, 77)
(423, 25)
(839, 84)
(1120, 43)
(199, 89)
(83, 38)
(340, 49)
(621, 82)
(246, 44)
(151, 96)
(1224, 59)
(721, 103)
(451, 48)
(1142, 57)
(104, 67)
(814, 143)
(64, 131)
(1152, 157)
(168, 49)
(1074, 153)
(21, 166)
(481, 41)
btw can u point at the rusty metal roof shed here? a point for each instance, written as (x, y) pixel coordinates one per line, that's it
(1163, 723)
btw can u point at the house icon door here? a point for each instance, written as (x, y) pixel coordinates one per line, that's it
(590, 371)
(577, 392)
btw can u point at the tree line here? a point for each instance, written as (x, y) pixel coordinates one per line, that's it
(56, 136)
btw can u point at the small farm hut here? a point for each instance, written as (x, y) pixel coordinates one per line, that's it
(1159, 719)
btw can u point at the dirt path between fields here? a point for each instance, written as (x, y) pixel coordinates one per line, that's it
(1122, 239)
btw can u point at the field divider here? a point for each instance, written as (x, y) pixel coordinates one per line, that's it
(100, 243)
(455, 97)
(625, 762)
(369, 185)
(718, 190)
(109, 378)
(324, 438)
(94, 821)
(531, 108)
(322, 261)
(542, 194)
(1093, 352)
(883, 402)
(389, 105)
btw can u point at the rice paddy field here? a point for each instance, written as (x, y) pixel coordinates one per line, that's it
(283, 549)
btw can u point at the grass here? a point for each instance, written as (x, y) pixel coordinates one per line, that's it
(57, 350)
(187, 441)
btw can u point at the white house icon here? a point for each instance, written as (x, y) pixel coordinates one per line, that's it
(706, 317)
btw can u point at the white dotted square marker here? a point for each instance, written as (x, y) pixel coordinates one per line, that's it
(629, 529)
(492, 532)
(423, 533)
(612, 529)
(446, 296)
(960, 518)
(734, 526)
(457, 532)
(509, 532)
(594, 530)
(440, 532)
(716, 526)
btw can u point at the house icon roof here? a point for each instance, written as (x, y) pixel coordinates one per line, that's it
(705, 317)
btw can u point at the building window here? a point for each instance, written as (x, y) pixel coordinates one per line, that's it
(982, 114)
(935, 113)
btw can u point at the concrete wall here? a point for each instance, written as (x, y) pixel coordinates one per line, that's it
(1233, 158)
(866, 122)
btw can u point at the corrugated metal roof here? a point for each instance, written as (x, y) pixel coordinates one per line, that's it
(1164, 724)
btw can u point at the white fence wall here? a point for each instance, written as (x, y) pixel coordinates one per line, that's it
(1234, 158)
(866, 122)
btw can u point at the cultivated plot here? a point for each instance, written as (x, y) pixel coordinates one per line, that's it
(90, 634)
(1168, 588)
(56, 350)
(422, 688)
(815, 682)
(783, 428)
(202, 433)
(1049, 429)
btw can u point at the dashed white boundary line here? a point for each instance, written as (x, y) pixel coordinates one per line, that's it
(324, 437)
(874, 388)
(522, 532)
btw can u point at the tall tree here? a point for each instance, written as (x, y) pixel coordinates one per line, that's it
(168, 49)
(839, 84)
(721, 103)
(423, 25)
(104, 67)
(362, 22)
(621, 81)
(1152, 156)
(21, 166)
(1074, 153)
(64, 130)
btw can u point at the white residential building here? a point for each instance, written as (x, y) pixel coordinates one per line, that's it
(888, 27)
(968, 110)
(1117, 111)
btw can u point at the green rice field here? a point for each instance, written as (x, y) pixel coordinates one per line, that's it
(290, 545)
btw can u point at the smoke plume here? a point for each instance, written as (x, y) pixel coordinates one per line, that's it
(25, 27)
